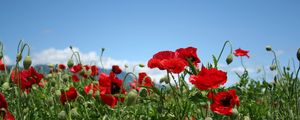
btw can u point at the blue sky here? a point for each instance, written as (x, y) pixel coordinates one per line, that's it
(134, 30)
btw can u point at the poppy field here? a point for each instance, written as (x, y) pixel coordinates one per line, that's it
(190, 89)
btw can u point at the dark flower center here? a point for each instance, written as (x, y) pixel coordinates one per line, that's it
(115, 88)
(225, 101)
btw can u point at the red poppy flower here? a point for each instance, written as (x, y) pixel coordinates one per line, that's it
(8, 116)
(110, 85)
(95, 70)
(144, 80)
(76, 68)
(188, 53)
(68, 95)
(241, 52)
(62, 66)
(116, 69)
(92, 86)
(175, 65)
(155, 61)
(223, 102)
(2, 66)
(26, 78)
(3, 103)
(208, 78)
(75, 78)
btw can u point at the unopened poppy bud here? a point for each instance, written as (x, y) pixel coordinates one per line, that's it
(70, 63)
(131, 97)
(5, 86)
(235, 112)
(268, 48)
(141, 65)
(51, 66)
(208, 118)
(62, 115)
(247, 118)
(229, 59)
(164, 79)
(272, 67)
(126, 66)
(74, 112)
(298, 54)
(19, 57)
(27, 62)
(143, 92)
(57, 92)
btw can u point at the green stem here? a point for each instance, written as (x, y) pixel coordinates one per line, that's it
(226, 42)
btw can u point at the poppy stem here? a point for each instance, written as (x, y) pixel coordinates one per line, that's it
(226, 42)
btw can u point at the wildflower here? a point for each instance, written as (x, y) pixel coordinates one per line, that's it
(241, 52)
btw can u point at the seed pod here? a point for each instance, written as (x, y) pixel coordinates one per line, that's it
(298, 54)
(229, 59)
(27, 62)
(268, 48)
(70, 63)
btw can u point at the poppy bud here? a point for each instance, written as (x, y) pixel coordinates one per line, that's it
(26, 110)
(19, 57)
(49, 100)
(141, 65)
(268, 48)
(229, 59)
(272, 67)
(235, 112)
(164, 79)
(62, 115)
(74, 112)
(70, 63)
(143, 92)
(57, 92)
(1, 55)
(5, 86)
(131, 97)
(51, 66)
(298, 54)
(247, 118)
(27, 62)
(208, 118)
(126, 66)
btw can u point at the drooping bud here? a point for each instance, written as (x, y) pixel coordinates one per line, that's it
(126, 66)
(131, 97)
(70, 63)
(143, 92)
(229, 59)
(62, 115)
(272, 67)
(269, 48)
(27, 62)
(19, 57)
(298, 54)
